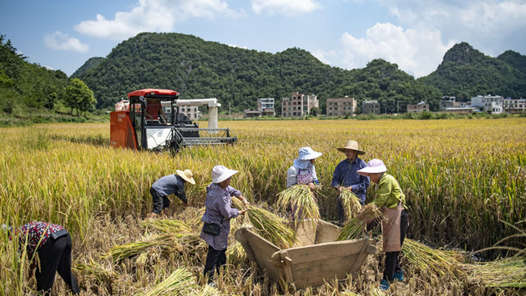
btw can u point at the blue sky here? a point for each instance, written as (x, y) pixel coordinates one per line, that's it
(414, 34)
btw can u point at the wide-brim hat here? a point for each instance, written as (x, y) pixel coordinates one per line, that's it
(187, 175)
(351, 145)
(221, 173)
(374, 166)
(307, 153)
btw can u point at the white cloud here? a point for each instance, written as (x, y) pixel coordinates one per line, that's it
(62, 41)
(416, 51)
(152, 16)
(287, 7)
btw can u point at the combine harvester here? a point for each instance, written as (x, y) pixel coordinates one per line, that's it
(150, 120)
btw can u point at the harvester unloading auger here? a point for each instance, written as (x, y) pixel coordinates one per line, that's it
(151, 120)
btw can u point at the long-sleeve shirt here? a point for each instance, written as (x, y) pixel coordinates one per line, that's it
(388, 192)
(37, 234)
(218, 209)
(294, 176)
(171, 184)
(345, 175)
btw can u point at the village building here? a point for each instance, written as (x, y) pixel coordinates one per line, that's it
(298, 105)
(420, 107)
(341, 106)
(370, 106)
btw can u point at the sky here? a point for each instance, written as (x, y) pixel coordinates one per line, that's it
(414, 34)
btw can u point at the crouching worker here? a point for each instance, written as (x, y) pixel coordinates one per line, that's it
(52, 243)
(171, 184)
(218, 212)
(391, 200)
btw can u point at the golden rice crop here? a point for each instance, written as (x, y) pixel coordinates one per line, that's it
(167, 225)
(351, 204)
(180, 282)
(503, 273)
(427, 259)
(300, 200)
(271, 227)
(356, 226)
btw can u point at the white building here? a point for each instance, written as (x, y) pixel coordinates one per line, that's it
(514, 106)
(488, 103)
(266, 106)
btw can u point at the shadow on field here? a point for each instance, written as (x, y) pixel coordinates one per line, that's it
(97, 140)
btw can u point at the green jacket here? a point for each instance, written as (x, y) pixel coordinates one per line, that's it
(388, 192)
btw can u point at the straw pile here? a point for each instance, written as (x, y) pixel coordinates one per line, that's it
(271, 227)
(356, 226)
(167, 225)
(301, 201)
(351, 204)
(180, 282)
(504, 273)
(426, 259)
(121, 252)
(96, 271)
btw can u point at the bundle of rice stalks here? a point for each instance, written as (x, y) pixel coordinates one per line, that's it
(271, 227)
(96, 271)
(505, 273)
(180, 282)
(167, 225)
(236, 254)
(121, 252)
(356, 226)
(351, 204)
(301, 201)
(426, 259)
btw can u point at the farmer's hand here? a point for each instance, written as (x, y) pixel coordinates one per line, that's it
(153, 215)
(312, 186)
(242, 212)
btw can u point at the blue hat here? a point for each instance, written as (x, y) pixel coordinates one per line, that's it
(306, 153)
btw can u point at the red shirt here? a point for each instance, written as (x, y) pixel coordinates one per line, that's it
(37, 234)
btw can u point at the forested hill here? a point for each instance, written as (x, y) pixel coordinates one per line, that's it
(91, 63)
(466, 72)
(237, 76)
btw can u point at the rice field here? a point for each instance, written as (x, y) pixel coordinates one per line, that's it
(464, 180)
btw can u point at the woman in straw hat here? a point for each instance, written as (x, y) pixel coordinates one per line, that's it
(217, 217)
(390, 198)
(303, 170)
(345, 175)
(171, 184)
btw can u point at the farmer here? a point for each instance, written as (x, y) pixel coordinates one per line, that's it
(52, 243)
(391, 200)
(171, 184)
(345, 176)
(154, 112)
(302, 170)
(218, 212)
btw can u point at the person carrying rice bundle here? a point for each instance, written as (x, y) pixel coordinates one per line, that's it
(218, 212)
(388, 196)
(345, 176)
(303, 170)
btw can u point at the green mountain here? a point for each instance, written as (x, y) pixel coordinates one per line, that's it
(237, 76)
(91, 63)
(25, 86)
(466, 72)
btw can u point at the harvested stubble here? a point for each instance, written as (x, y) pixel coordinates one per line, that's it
(167, 225)
(180, 282)
(96, 271)
(301, 200)
(356, 226)
(351, 204)
(426, 259)
(271, 227)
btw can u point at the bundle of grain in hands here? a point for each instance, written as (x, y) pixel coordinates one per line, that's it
(351, 204)
(301, 201)
(356, 226)
(271, 227)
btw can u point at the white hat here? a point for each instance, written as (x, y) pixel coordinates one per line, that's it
(187, 175)
(306, 153)
(374, 166)
(221, 173)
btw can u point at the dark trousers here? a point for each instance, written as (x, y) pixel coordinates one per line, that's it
(392, 259)
(160, 202)
(55, 255)
(214, 260)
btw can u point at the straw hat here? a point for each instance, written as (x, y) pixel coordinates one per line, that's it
(186, 175)
(374, 166)
(221, 173)
(351, 145)
(306, 153)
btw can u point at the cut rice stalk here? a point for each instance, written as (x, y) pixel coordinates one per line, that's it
(427, 259)
(180, 282)
(356, 226)
(301, 201)
(351, 204)
(167, 225)
(271, 227)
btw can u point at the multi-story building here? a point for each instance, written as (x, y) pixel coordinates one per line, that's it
(370, 106)
(266, 106)
(298, 105)
(341, 106)
(448, 102)
(489, 103)
(420, 107)
(192, 112)
(514, 105)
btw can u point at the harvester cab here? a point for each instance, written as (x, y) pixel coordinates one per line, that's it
(151, 120)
